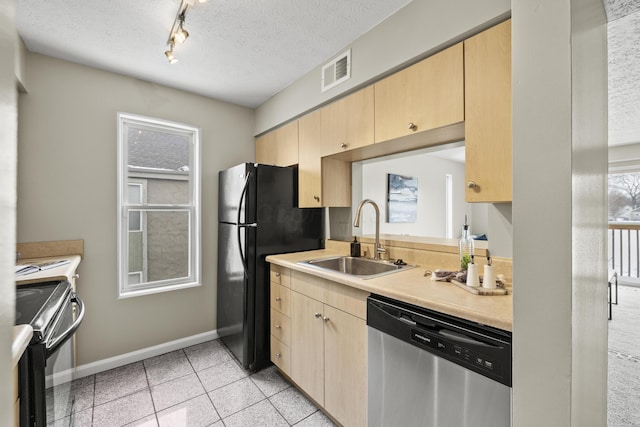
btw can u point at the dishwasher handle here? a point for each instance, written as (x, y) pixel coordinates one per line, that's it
(405, 316)
(465, 339)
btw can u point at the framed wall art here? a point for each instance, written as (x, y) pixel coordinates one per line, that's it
(402, 198)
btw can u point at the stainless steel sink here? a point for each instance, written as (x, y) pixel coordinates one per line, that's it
(364, 268)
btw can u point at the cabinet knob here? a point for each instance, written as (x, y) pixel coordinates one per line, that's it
(316, 198)
(325, 318)
(278, 355)
(278, 327)
(472, 184)
(318, 315)
(278, 299)
(343, 145)
(277, 274)
(412, 126)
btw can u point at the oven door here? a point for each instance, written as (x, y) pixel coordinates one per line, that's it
(60, 365)
(51, 366)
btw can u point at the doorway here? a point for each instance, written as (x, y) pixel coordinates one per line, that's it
(623, 18)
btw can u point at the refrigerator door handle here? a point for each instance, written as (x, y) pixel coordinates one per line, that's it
(242, 225)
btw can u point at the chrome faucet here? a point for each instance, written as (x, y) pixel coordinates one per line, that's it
(377, 249)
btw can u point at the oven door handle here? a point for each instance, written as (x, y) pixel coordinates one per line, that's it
(56, 343)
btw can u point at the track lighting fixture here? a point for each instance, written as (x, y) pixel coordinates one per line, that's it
(178, 32)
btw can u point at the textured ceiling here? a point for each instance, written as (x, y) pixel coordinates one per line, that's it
(624, 71)
(617, 9)
(241, 51)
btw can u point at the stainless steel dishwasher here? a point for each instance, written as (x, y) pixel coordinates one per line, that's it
(429, 369)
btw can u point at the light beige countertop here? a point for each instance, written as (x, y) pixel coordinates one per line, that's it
(413, 287)
(63, 272)
(21, 336)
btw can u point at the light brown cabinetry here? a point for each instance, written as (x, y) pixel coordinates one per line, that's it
(322, 181)
(424, 96)
(488, 127)
(278, 147)
(280, 318)
(328, 346)
(310, 161)
(348, 123)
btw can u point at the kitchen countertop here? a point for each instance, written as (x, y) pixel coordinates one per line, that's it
(413, 287)
(21, 336)
(63, 272)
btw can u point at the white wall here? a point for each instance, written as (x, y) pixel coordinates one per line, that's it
(67, 190)
(430, 172)
(8, 135)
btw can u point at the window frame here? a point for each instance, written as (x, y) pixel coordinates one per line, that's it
(192, 208)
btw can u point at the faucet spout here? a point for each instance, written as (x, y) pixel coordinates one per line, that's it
(377, 250)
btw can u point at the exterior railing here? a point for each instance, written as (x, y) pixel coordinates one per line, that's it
(624, 248)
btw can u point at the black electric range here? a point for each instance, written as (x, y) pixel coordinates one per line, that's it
(48, 308)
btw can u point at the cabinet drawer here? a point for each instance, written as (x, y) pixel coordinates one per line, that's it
(280, 297)
(281, 276)
(343, 297)
(280, 355)
(280, 326)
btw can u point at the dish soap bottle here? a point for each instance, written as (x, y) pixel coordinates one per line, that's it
(355, 247)
(465, 246)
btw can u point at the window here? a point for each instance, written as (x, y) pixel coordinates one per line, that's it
(158, 205)
(624, 196)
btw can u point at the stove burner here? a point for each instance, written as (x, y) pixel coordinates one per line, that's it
(26, 293)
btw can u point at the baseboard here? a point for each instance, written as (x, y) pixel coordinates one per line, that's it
(135, 356)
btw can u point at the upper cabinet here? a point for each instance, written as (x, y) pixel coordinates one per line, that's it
(424, 96)
(322, 181)
(488, 163)
(310, 166)
(278, 147)
(348, 122)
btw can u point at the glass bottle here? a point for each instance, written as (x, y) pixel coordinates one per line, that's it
(465, 246)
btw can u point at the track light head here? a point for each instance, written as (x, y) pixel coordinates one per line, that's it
(181, 34)
(169, 54)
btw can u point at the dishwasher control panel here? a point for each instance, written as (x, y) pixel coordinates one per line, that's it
(479, 348)
(466, 356)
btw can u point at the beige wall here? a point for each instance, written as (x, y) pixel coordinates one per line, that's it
(8, 129)
(67, 190)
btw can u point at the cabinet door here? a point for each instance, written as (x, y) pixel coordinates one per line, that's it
(488, 163)
(348, 122)
(310, 162)
(307, 345)
(345, 367)
(278, 147)
(424, 96)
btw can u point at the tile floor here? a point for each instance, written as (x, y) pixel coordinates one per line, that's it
(201, 385)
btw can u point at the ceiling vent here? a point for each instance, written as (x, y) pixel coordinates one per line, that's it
(336, 71)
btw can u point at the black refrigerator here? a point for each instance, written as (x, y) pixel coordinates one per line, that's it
(257, 216)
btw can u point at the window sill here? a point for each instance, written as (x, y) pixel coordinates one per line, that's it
(156, 290)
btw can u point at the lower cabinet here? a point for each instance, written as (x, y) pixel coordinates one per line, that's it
(328, 350)
(279, 317)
